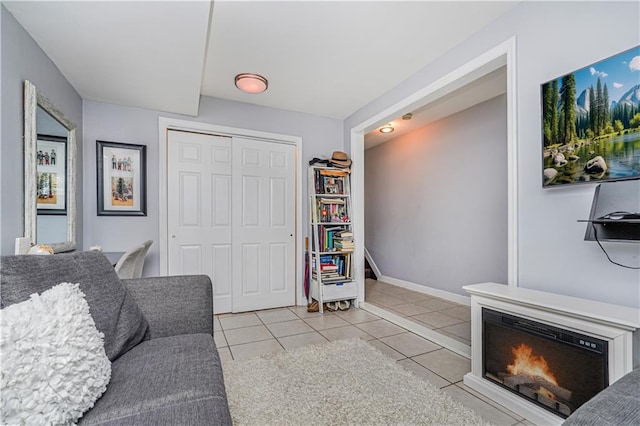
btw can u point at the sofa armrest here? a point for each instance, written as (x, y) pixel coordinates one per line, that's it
(616, 405)
(174, 305)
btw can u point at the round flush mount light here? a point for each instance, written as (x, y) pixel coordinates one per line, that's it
(388, 128)
(251, 83)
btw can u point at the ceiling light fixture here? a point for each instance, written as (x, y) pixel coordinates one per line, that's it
(251, 83)
(387, 128)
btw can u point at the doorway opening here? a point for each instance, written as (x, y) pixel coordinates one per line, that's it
(502, 57)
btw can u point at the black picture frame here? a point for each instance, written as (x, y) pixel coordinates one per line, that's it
(121, 179)
(51, 198)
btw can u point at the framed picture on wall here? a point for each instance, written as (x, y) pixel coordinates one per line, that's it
(51, 175)
(591, 123)
(121, 179)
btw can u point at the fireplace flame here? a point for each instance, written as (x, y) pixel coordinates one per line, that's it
(532, 365)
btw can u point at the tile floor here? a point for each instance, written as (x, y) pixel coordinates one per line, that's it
(249, 334)
(443, 316)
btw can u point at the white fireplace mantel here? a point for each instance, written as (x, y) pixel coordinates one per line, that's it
(612, 323)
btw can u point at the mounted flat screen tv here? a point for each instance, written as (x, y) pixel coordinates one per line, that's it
(591, 123)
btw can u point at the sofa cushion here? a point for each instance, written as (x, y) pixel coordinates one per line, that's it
(616, 405)
(112, 307)
(53, 362)
(165, 381)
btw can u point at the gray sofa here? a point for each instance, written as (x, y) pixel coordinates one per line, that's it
(616, 405)
(158, 335)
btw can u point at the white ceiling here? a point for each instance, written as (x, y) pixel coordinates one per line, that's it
(484, 88)
(141, 54)
(322, 58)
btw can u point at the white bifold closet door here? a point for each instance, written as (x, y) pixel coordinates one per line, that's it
(231, 215)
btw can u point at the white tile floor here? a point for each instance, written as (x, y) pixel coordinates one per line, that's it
(249, 334)
(443, 316)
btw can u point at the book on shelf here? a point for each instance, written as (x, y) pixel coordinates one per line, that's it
(345, 234)
(335, 173)
(328, 267)
(338, 201)
(329, 275)
(338, 239)
(338, 263)
(325, 260)
(332, 212)
(344, 246)
(326, 236)
(330, 181)
(331, 280)
(343, 241)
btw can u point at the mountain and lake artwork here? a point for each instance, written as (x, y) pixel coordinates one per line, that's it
(591, 122)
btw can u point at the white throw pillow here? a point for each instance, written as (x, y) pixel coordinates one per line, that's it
(53, 363)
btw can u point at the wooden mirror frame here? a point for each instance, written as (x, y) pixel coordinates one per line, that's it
(32, 99)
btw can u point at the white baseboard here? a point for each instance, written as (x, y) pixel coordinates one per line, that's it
(422, 331)
(443, 294)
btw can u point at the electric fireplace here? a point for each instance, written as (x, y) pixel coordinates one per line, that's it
(557, 369)
(586, 345)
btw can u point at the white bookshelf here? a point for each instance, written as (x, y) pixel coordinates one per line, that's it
(331, 232)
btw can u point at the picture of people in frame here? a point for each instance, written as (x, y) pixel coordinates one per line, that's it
(122, 191)
(51, 174)
(47, 188)
(121, 179)
(121, 164)
(331, 189)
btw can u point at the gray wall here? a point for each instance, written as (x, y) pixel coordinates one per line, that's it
(436, 201)
(2, 12)
(553, 39)
(22, 59)
(320, 137)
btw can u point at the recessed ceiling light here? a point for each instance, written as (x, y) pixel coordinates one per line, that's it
(388, 128)
(251, 83)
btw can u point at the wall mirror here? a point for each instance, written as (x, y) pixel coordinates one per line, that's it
(49, 173)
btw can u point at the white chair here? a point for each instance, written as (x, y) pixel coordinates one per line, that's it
(126, 266)
(137, 273)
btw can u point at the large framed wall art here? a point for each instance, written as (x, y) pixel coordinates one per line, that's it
(591, 123)
(121, 179)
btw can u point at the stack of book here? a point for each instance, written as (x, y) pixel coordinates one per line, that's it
(331, 278)
(334, 269)
(326, 235)
(343, 241)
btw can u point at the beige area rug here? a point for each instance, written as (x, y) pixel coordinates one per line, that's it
(346, 382)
